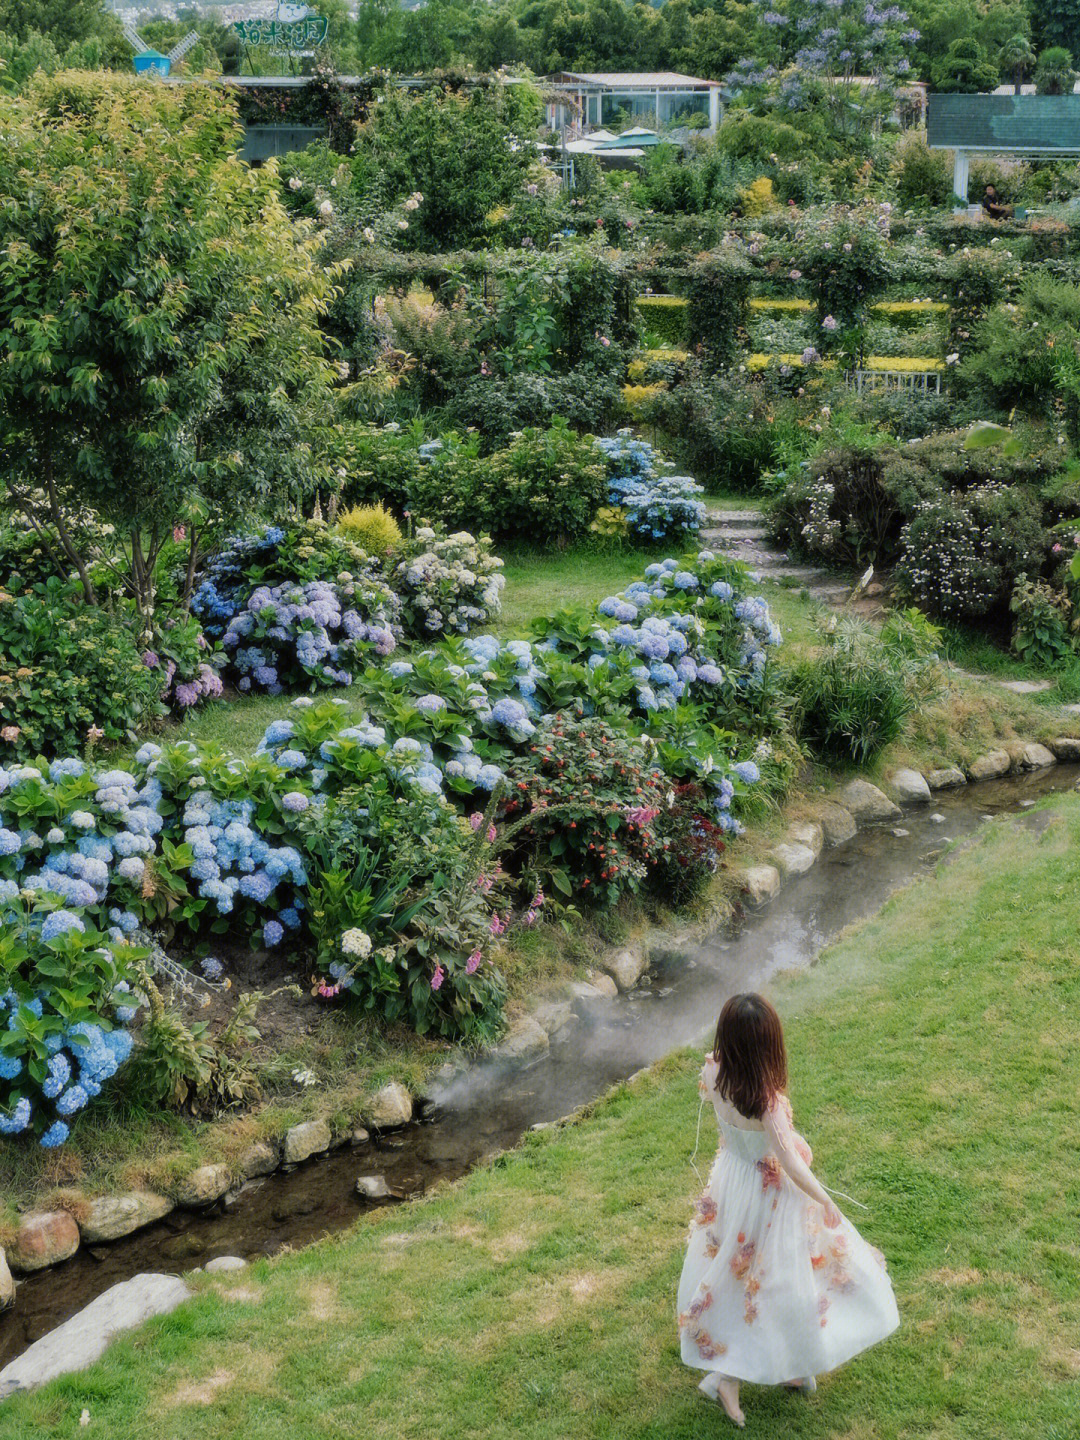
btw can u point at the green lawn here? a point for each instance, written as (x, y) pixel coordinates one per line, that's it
(934, 1061)
(539, 583)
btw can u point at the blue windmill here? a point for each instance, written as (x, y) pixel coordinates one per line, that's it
(151, 62)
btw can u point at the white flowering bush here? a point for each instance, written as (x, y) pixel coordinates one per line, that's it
(447, 584)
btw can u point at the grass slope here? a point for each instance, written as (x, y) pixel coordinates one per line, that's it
(934, 1056)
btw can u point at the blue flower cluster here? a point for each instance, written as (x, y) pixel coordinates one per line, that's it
(326, 752)
(50, 1065)
(657, 507)
(89, 847)
(218, 595)
(286, 636)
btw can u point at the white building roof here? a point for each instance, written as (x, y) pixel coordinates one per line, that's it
(632, 79)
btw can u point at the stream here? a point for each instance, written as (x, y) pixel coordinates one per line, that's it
(488, 1107)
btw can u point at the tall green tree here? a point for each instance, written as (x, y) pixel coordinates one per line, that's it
(465, 151)
(965, 68)
(1058, 23)
(1016, 58)
(161, 359)
(63, 21)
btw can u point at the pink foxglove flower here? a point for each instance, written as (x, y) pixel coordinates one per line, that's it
(473, 962)
(438, 978)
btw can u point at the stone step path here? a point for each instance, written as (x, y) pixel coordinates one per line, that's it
(744, 535)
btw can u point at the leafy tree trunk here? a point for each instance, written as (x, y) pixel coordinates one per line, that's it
(62, 531)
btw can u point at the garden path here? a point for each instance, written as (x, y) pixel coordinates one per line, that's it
(744, 535)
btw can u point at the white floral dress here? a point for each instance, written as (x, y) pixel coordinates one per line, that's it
(768, 1294)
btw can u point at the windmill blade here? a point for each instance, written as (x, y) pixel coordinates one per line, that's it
(134, 39)
(179, 51)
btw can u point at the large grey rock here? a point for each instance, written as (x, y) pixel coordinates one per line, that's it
(595, 986)
(624, 966)
(258, 1159)
(909, 787)
(225, 1264)
(837, 823)
(867, 803)
(390, 1106)
(44, 1238)
(792, 859)
(558, 1019)
(950, 777)
(373, 1187)
(112, 1216)
(990, 766)
(1065, 747)
(524, 1040)
(7, 1284)
(312, 1137)
(203, 1186)
(808, 833)
(1031, 756)
(83, 1339)
(760, 883)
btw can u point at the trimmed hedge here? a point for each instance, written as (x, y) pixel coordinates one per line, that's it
(667, 316)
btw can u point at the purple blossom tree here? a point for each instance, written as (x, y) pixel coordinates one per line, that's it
(841, 58)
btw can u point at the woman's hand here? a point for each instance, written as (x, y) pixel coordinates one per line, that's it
(832, 1215)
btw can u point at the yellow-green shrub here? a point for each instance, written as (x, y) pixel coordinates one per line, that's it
(665, 316)
(758, 197)
(371, 526)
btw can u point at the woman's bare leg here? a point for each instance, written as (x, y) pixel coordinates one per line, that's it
(727, 1393)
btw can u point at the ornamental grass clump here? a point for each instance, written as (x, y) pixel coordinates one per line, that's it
(372, 527)
(853, 697)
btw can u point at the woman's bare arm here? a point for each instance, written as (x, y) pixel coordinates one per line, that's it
(778, 1128)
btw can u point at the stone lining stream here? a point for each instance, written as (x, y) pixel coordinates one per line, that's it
(488, 1108)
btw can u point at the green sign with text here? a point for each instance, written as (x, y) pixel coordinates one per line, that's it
(284, 34)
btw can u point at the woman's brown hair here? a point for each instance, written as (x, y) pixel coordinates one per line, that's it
(749, 1051)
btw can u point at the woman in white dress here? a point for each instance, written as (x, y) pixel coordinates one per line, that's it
(777, 1286)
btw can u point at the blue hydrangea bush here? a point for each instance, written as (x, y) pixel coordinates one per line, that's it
(192, 836)
(302, 635)
(305, 608)
(659, 508)
(66, 1000)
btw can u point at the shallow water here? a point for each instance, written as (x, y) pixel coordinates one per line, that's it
(490, 1106)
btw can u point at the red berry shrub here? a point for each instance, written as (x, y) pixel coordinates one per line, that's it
(602, 839)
